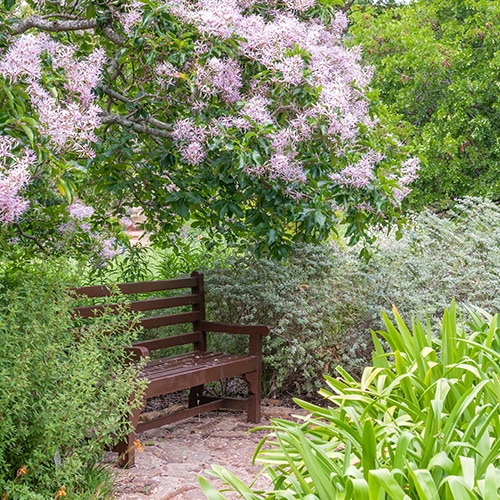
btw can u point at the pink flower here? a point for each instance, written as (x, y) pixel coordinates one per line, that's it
(131, 16)
(220, 76)
(256, 109)
(108, 249)
(187, 130)
(85, 75)
(300, 5)
(69, 125)
(292, 69)
(408, 174)
(80, 211)
(360, 174)
(284, 167)
(14, 176)
(193, 153)
(23, 57)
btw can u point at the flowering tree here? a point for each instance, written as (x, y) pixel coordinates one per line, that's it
(249, 119)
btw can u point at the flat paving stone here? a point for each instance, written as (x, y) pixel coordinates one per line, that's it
(176, 455)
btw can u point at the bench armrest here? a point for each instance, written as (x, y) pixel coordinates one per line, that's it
(137, 352)
(211, 326)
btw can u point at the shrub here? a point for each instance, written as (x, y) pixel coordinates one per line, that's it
(323, 302)
(62, 401)
(299, 299)
(423, 423)
(451, 255)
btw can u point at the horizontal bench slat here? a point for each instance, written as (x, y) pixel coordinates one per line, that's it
(199, 375)
(173, 370)
(139, 287)
(174, 340)
(170, 319)
(170, 364)
(140, 305)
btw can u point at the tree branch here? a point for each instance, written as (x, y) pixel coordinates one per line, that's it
(29, 237)
(138, 126)
(44, 24)
(48, 24)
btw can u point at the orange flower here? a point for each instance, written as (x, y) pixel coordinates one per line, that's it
(138, 445)
(21, 471)
(61, 492)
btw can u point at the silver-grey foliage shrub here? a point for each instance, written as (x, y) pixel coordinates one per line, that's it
(323, 302)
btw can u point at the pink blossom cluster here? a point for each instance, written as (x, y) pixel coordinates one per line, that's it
(360, 174)
(292, 69)
(23, 57)
(69, 125)
(131, 16)
(14, 176)
(332, 69)
(300, 5)
(80, 211)
(167, 73)
(256, 109)
(220, 76)
(68, 122)
(82, 76)
(108, 249)
(282, 166)
(408, 173)
(191, 139)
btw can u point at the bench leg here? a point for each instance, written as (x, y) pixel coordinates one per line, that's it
(195, 395)
(126, 451)
(126, 448)
(253, 403)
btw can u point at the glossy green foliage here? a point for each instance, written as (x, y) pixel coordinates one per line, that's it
(136, 162)
(437, 68)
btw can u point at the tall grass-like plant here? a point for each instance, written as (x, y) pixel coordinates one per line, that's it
(422, 423)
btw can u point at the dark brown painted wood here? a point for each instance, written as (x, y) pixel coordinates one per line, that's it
(139, 305)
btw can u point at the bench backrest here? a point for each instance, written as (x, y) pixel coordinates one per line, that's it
(191, 293)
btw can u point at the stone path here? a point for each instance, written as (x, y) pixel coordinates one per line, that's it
(175, 455)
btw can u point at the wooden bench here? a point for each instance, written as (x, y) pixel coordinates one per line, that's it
(189, 370)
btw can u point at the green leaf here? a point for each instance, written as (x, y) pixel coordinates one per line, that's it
(183, 209)
(29, 133)
(424, 484)
(8, 4)
(368, 459)
(67, 189)
(382, 480)
(491, 483)
(209, 490)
